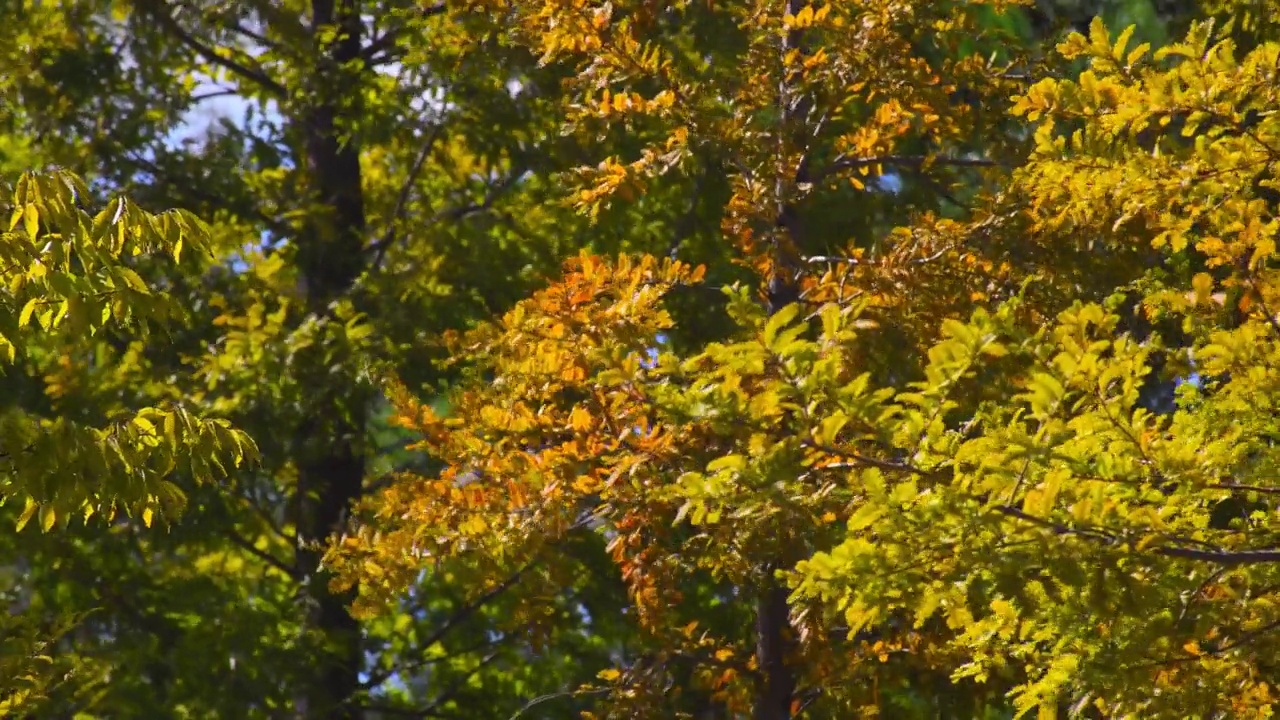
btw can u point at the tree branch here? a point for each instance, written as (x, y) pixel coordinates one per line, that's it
(453, 214)
(388, 39)
(1227, 558)
(459, 616)
(262, 555)
(556, 696)
(196, 193)
(159, 10)
(886, 465)
(845, 162)
(402, 198)
(1246, 488)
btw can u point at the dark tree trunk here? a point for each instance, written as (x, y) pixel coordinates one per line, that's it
(777, 686)
(331, 442)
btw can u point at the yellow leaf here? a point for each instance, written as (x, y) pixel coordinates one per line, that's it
(580, 419)
(134, 281)
(48, 516)
(609, 675)
(27, 513)
(31, 219)
(25, 316)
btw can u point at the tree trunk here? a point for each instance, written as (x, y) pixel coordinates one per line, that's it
(331, 455)
(777, 686)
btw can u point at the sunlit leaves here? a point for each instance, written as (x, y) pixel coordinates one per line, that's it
(63, 266)
(1001, 501)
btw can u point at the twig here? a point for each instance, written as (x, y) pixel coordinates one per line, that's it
(402, 199)
(1226, 558)
(1246, 488)
(262, 555)
(388, 39)
(845, 162)
(460, 615)
(886, 465)
(556, 696)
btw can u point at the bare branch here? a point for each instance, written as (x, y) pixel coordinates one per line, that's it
(1246, 488)
(1228, 558)
(200, 195)
(253, 35)
(221, 92)
(457, 685)
(818, 259)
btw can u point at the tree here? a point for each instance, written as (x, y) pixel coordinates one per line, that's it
(918, 463)
(68, 276)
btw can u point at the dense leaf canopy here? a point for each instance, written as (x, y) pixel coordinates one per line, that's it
(707, 359)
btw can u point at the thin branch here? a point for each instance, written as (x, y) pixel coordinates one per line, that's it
(886, 465)
(1191, 599)
(1246, 488)
(458, 617)
(402, 199)
(1244, 639)
(452, 691)
(388, 39)
(255, 36)
(1230, 558)
(159, 10)
(432, 709)
(453, 214)
(162, 177)
(556, 696)
(816, 259)
(813, 694)
(220, 92)
(845, 162)
(1056, 528)
(1262, 302)
(1226, 558)
(250, 500)
(262, 555)
(382, 709)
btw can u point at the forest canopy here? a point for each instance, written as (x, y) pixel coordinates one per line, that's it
(706, 359)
